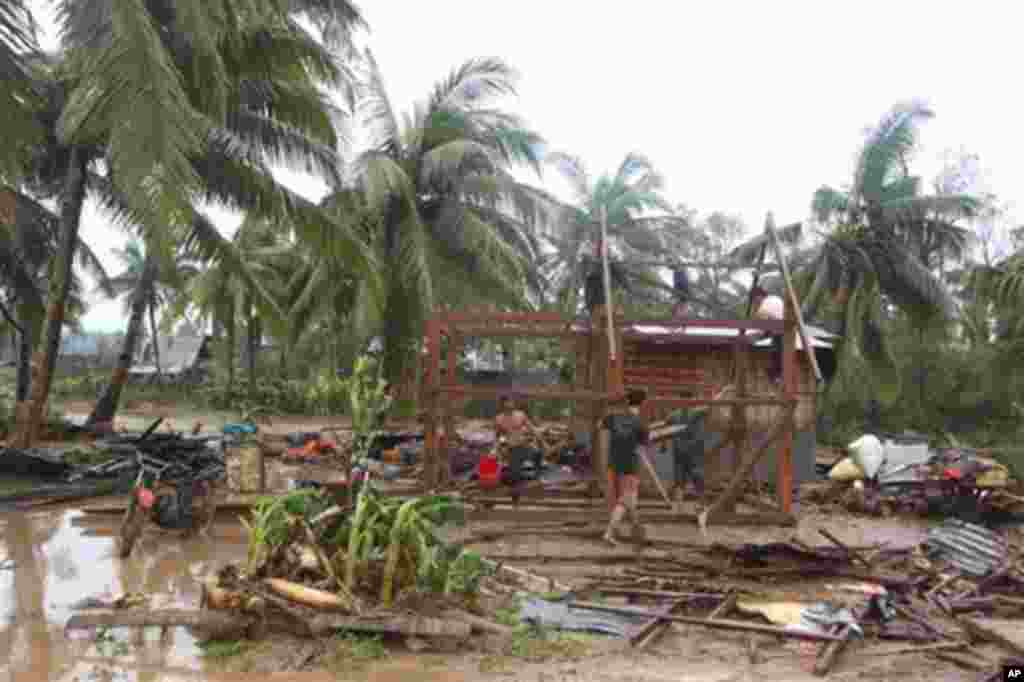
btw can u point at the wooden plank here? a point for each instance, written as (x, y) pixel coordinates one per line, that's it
(562, 393)
(1006, 633)
(674, 325)
(480, 331)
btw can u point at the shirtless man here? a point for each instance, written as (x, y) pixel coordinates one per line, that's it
(513, 424)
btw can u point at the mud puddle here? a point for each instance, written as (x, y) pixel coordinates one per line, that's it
(50, 561)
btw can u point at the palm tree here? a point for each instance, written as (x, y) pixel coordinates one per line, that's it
(635, 236)
(148, 275)
(883, 234)
(439, 180)
(28, 241)
(229, 297)
(19, 96)
(184, 117)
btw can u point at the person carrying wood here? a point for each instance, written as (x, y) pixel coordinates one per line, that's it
(625, 433)
(767, 307)
(513, 424)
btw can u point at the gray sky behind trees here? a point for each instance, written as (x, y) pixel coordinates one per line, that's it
(744, 106)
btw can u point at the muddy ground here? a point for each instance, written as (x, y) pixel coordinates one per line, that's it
(52, 559)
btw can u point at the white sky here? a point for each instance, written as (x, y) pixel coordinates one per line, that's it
(745, 107)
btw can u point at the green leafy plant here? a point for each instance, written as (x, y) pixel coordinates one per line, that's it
(328, 395)
(270, 523)
(369, 402)
(217, 648)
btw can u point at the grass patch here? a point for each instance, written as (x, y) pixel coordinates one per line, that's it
(535, 644)
(221, 648)
(354, 652)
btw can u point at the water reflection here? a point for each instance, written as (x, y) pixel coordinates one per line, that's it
(57, 564)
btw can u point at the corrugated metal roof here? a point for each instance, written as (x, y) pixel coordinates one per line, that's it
(973, 549)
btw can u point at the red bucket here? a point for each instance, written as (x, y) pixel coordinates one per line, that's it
(490, 471)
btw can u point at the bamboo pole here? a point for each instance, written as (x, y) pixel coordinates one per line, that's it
(769, 227)
(608, 302)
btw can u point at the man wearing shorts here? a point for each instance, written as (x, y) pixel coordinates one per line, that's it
(625, 434)
(513, 425)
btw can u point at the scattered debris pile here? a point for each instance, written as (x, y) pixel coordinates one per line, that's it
(955, 596)
(113, 464)
(881, 478)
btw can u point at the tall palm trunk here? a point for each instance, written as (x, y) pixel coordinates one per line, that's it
(106, 406)
(253, 337)
(156, 339)
(30, 419)
(24, 360)
(229, 351)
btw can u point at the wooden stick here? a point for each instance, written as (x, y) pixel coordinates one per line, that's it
(727, 605)
(479, 624)
(609, 303)
(654, 474)
(218, 624)
(831, 652)
(769, 227)
(706, 622)
(654, 628)
(842, 545)
(922, 648)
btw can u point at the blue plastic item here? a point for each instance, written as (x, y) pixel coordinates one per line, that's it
(238, 429)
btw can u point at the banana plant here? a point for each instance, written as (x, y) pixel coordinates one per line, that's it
(369, 402)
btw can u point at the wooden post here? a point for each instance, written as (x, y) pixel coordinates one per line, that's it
(784, 460)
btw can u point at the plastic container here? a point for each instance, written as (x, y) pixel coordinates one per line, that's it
(868, 454)
(490, 471)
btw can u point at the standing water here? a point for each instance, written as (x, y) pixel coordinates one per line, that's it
(51, 561)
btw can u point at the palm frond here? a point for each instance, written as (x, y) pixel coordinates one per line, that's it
(286, 145)
(887, 145)
(473, 81)
(131, 90)
(828, 203)
(376, 111)
(573, 170)
(749, 252)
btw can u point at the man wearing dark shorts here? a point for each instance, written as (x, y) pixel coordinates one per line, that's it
(625, 433)
(512, 424)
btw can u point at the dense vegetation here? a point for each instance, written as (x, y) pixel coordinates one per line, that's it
(158, 109)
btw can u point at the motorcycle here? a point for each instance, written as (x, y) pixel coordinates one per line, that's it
(172, 497)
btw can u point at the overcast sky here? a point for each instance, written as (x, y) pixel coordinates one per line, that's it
(745, 107)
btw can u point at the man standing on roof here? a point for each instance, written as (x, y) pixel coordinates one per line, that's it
(625, 433)
(767, 307)
(681, 286)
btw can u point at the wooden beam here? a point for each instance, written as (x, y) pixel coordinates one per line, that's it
(672, 324)
(784, 462)
(522, 331)
(741, 475)
(561, 392)
(791, 293)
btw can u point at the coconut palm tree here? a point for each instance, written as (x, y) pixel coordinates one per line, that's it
(28, 241)
(638, 219)
(440, 180)
(188, 100)
(881, 235)
(18, 96)
(148, 275)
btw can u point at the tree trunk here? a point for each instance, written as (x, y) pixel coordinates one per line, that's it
(106, 406)
(60, 285)
(156, 340)
(24, 359)
(229, 351)
(253, 337)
